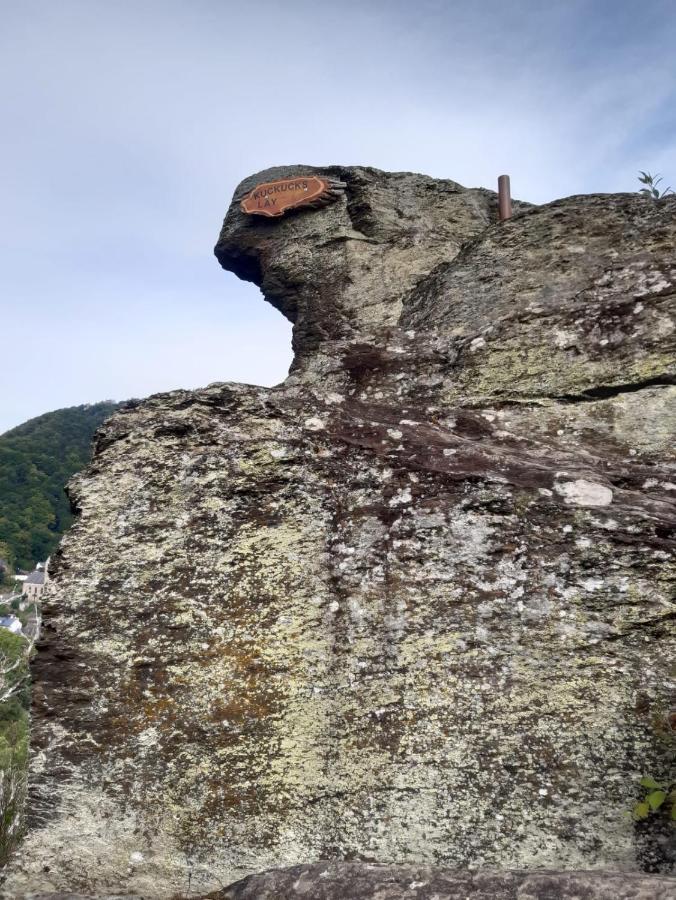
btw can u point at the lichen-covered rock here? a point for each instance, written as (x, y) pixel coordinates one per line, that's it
(348, 268)
(412, 605)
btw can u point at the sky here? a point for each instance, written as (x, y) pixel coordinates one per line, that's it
(127, 124)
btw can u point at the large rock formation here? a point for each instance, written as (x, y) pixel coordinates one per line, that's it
(412, 605)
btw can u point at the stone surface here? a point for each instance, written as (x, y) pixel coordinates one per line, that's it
(68, 895)
(368, 881)
(414, 604)
(347, 269)
(378, 881)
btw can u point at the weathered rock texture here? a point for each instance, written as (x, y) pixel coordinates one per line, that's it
(379, 881)
(369, 881)
(412, 605)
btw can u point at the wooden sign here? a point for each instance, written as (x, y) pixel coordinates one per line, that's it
(274, 198)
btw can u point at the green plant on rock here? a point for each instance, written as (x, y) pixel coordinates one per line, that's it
(15, 652)
(658, 797)
(651, 188)
(13, 771)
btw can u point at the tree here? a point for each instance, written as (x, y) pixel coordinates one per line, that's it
(36, 461)
(15, 652)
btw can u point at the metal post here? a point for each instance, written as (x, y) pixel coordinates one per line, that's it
(504, 198)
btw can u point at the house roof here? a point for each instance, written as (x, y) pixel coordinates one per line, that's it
(35, 578)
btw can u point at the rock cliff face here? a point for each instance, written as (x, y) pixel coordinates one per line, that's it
(412, 605)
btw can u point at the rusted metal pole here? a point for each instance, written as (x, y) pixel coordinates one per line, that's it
(504, 198)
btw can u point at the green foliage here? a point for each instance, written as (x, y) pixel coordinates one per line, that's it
(657, 796)
(13, 666)
(36, 461)
(6, 565)
(14, 729)
(651, 189)
(6, 553)
(13, 775)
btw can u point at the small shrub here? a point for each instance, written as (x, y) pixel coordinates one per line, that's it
(15, 694)
(657, 797)
(651, 189)
(13, 771)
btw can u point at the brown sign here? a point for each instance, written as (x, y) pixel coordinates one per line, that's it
(274, 198)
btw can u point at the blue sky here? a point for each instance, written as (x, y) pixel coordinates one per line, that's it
(127, 125)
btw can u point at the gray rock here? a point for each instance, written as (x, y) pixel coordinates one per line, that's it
(379, 881)
(346, 269)
(415, 603)
(61, 896)
(372, 881)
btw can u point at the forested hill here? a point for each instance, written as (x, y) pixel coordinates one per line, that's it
(36, 460)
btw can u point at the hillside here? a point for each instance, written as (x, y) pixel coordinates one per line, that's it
(36, 460)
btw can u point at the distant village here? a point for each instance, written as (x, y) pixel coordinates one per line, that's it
(19, 607)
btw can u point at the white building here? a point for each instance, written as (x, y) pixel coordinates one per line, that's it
(34, 585)
(11, 623)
